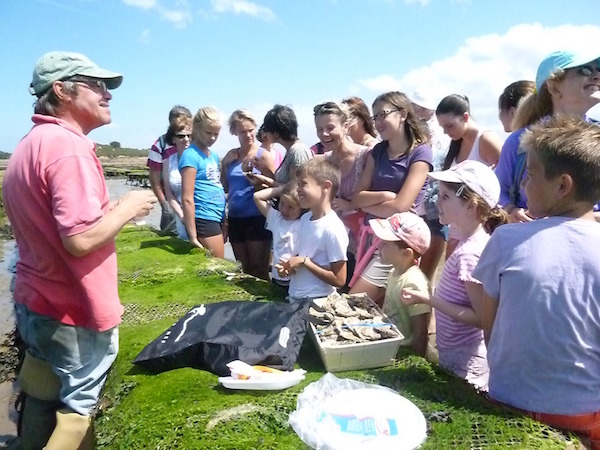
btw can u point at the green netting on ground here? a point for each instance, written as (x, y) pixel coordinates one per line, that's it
(161, 279)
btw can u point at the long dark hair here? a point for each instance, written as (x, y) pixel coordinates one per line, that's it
(457, 105)
(416, 131)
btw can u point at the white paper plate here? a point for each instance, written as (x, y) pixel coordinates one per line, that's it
(371, 419)
(275, 384)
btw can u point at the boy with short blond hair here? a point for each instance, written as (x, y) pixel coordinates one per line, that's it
(405, 237)
(320, 264)
(541, 308)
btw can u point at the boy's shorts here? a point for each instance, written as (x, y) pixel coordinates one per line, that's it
(80, 357)
(244, 229)
(208, 228)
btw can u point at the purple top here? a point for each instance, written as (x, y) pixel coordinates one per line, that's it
(506, 168)
(390, 175)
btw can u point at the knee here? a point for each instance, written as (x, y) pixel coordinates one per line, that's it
(37, 379)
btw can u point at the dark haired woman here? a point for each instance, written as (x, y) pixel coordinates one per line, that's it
(509, 100)
(469, 141)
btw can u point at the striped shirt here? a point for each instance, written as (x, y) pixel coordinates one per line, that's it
(451, 288)
(158, 153)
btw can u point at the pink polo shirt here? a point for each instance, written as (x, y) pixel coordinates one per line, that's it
(54, 187)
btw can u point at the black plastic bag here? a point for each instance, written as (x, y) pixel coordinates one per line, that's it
(211, 336)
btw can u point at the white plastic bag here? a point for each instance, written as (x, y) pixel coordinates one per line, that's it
(343, 414)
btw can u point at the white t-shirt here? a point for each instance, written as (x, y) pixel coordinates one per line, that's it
(324, 241)
(175, 183)
(285, 238)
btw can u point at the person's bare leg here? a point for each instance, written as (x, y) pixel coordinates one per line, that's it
(215, 244)
(259, 253)
(375, 293)
(241, 253)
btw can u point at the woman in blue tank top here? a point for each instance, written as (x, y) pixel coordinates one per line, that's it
(250, 240)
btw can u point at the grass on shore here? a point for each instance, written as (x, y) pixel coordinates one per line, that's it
(161, 278)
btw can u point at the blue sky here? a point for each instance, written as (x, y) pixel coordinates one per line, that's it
(252, 54)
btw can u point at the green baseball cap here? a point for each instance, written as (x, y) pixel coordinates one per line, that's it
(56, 66)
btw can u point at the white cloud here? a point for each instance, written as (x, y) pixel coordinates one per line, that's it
(144, 37)
(178, 17)
(421, 2)
(179, 14)
(243, 7)
(144, 4)
(483, 66)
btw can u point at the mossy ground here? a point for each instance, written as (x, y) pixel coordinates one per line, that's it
(161, 278)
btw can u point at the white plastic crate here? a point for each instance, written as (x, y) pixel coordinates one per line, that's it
(354, 356)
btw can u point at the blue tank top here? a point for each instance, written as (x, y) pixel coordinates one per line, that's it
(241, 191)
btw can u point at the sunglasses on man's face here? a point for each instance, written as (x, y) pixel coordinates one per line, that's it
(183, 136)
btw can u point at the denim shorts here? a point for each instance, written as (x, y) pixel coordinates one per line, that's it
(80, 357)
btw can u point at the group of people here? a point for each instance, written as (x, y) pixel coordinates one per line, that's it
(371, 208)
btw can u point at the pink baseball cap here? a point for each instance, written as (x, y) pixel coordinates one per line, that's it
(406, 227)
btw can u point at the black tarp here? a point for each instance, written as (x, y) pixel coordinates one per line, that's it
(212, 335)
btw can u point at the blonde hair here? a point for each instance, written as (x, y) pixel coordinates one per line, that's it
(289, 192)
(321, 170)
(205, 116)
(536, 105)
(239, 116)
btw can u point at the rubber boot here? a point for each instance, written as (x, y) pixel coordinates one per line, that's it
(38, 414)
(38, 422)
(73, 432)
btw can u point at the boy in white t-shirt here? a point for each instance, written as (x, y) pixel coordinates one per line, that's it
(320, 262)
(405, 237)
(283, 223)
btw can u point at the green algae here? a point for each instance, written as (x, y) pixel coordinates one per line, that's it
(161, 278)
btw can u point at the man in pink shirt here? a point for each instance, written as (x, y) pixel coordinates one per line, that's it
(66, 300)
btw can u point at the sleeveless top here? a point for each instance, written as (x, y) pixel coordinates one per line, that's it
(241, 192)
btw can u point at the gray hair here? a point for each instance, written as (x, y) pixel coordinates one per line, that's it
(48, 104)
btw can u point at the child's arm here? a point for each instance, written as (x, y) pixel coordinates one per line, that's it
(419, 325)
(489, 306)
(261, 199)
(470, 315)
(335, 275)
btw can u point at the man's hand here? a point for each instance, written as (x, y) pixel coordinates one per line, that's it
(139, 203)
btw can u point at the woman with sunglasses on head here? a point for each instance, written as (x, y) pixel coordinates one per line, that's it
(361, 128)
(393, 181)
(250, 240)
(567, 83)
(179, 137)
(469, 141)
(333, 121)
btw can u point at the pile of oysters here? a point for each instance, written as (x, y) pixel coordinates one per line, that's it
(344, 319)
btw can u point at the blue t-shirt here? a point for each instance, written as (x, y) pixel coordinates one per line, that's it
(241, 192)
(209, 196)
